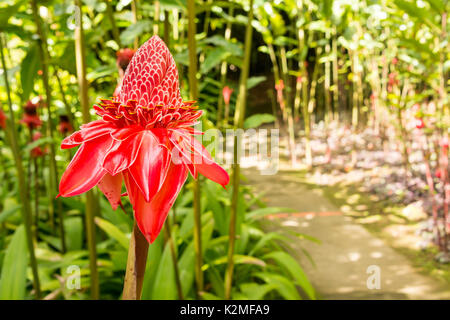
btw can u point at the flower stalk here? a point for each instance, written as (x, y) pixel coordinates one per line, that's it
(238, 123)
(137, 260)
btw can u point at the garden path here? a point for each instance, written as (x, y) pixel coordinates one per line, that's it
(347, 249)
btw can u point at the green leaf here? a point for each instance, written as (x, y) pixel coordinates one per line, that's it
(7, 12)
(74, 233)
(254, 291)
(9, 211)
(165, 287)
(256, 120)
(113, 232)
(129, 34)
(254, 81)
(28, 71)
(213, 58)
(14, 272)
(284, 286)
(294, 269)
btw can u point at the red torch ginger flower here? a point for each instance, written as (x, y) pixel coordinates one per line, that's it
(145, 138)
(2, 119)
(30, 116)
(226, 93)
(64, 126)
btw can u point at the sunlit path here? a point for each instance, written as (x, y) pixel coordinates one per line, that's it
(347, 249)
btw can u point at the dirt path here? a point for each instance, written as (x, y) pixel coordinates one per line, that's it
(347, 249)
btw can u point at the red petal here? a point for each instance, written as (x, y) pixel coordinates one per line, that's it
(123, 154)
(150, 166)
(202, 161)
(85, 170)
(89, 131)
(124, 133)
(150, 216)
(111, 186)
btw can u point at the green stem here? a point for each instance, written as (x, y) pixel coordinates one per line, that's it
(90, 201)
(135, 17)
(44, 57)
(156, 17)
(223, 79)
(115, 30)
(137, 260)
(194, 95)
(26, 208)
(238, 123)
(66, 103)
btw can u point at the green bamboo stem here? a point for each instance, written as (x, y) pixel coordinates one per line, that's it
(157, 8)
(335, 91)
(223, 79)
(239, 117)
(44, 57)
(90, 201)
(327, 81)
(136, 262)
(115, 30)
(26, 208)
(194, 95)
(135, 17)
(166, 28)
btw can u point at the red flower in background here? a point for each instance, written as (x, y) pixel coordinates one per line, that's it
(145, 138)
(226, 93)
(419, 123)
(37, 151)
(124, 57)
(2, 119)
(64, 126)
(30, 116)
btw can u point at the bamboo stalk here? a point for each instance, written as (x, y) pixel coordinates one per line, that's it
(66, 103)
(194, 95)
(90, 201)
(136, 262)
(223, 79)
(53, 176)
(135, 17)
(239, 117)
(26, 208)
(115, 30)
(156, 17)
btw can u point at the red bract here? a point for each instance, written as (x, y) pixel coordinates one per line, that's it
(2, 119)
(145, 138)
(226, 92)
(30, 116)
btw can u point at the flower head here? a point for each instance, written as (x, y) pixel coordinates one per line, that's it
(145, 139)
(64, 126)
(226, 93)
(30, 115)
